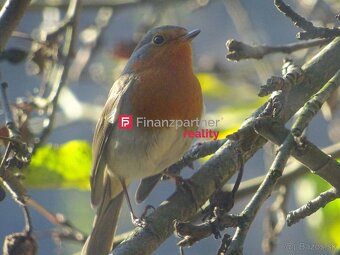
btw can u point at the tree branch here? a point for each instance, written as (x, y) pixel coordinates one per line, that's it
(312, 107)
(67, 230)
(292, 74)
(291, 141)
(292, 172)
(274, 221)
(264, 191)
(310, 155)
(10, 159)
(192, 233)
(238, 50)
(15, 157)
(312, 206)
(311, 31)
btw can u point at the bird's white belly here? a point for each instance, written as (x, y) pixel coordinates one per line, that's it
(136, 154)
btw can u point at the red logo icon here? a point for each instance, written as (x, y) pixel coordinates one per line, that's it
(125, 121)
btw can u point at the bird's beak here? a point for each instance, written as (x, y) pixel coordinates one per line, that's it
(191, 35)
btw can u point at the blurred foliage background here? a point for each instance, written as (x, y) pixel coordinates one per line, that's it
(108, 31)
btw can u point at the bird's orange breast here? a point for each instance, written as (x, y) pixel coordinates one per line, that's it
(167, 95)
(166, 87)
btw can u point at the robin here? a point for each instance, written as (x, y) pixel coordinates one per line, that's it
(157, 84)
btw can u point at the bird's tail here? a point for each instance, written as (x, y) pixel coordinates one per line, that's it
(101, 239)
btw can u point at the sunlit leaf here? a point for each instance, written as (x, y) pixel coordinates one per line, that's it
(231, 117)
(211, 86)
(240, 94)
(237, 103)
(64, 166)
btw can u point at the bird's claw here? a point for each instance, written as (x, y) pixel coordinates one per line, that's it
(138, 222)
(141, 222)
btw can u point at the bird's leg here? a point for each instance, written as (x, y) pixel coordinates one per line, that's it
(139, 222)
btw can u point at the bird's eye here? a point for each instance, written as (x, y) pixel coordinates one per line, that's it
(158, 40)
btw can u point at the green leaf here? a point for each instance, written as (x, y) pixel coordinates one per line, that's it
(237, 95)
(212, 86)
(236, 102)
(64, 166)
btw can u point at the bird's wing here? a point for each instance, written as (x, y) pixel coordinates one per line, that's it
(104, 129)
(145, 187)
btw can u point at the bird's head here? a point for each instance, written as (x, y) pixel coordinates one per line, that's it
(163, 46)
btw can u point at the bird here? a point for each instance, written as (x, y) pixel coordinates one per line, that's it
(157, 83)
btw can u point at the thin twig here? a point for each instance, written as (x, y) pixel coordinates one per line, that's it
(308, 154)
(244, 25)
(28, 221)
(8, 178)
(191, 233)
(261, 195)
(8, 139)
(274, 174)
(291, 74)
(310, 31)
(238, 50)
(15, 187)
(68, 230)
(278, 165)
(22, 35)
(4, 158)
(312, 206)
(43, 211)
(224, 244)
(312, 107)
(292, 172)
(274, 221)
(13, 131)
